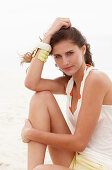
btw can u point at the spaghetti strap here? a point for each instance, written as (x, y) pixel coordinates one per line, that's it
(86, 72)
(84, 78)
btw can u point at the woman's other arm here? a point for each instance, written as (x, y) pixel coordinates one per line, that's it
(33, 78)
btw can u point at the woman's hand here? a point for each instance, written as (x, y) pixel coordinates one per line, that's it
(58, 24)
(25, 130)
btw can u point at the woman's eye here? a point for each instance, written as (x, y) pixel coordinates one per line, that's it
(70, 52)
(57, 56)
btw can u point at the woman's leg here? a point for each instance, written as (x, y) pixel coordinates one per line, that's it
(44, 114)
(51, 167)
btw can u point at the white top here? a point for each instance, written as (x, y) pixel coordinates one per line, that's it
(99, 148)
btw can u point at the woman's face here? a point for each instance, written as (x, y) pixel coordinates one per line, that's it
(68, 56)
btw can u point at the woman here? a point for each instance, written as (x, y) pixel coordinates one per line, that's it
(85, 140)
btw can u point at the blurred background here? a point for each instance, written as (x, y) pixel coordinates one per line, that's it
(21, 24)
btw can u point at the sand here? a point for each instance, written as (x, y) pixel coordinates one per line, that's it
(14, 107)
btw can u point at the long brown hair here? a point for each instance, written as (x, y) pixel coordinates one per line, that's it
(72, 34)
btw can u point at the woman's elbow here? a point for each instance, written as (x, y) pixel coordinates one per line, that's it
(29, 85)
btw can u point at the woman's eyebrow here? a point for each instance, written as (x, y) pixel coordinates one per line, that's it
(65, 52)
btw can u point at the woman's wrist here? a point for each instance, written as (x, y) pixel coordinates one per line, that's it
(47, 38)
(31, 133)
(28, 133)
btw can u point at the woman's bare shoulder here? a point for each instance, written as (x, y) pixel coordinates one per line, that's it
(100, 76)
(96, 73)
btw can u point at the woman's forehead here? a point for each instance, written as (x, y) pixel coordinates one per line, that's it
(64, 47)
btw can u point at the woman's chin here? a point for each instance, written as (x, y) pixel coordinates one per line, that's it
(68, 73)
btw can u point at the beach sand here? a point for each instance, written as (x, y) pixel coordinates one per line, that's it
(14, 107)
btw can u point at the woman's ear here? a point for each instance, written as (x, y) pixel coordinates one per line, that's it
(83, 49)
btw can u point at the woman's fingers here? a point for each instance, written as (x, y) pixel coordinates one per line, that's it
(23, 136)
(25, 140)
(24, 130)
(64, 19)
(65, 24)
(58, 24)
(67, 20)
(28, 123)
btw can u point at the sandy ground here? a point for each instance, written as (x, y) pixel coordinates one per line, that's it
(14, 105)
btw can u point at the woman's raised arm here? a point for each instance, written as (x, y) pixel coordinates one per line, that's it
(33, 78)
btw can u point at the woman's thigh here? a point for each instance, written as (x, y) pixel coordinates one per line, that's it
(57, 125)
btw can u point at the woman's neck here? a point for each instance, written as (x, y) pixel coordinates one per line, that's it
(78, 76)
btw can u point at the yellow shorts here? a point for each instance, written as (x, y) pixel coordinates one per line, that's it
(80, 162)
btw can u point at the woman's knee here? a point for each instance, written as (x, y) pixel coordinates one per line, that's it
(40, 97)
(39, 101)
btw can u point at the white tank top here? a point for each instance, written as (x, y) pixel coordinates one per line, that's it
(99, 148)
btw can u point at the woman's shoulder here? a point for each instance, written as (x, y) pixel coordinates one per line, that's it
(100, 77)
(99, 74)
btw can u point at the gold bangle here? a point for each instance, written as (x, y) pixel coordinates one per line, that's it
(44, 52)
(41, 58)
(42, 55)
(34, 52)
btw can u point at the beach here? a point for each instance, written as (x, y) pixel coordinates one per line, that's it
(14, 107)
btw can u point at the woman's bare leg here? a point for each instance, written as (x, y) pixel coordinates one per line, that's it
(39, 120)
(44, 113)
(51, 167)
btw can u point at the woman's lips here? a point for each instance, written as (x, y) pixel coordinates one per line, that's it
(67, 68)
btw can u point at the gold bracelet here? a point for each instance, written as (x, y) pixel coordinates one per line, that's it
(41, 58)
(43, 54)
(34, 52)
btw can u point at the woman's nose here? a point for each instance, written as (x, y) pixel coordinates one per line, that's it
(65, 61)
